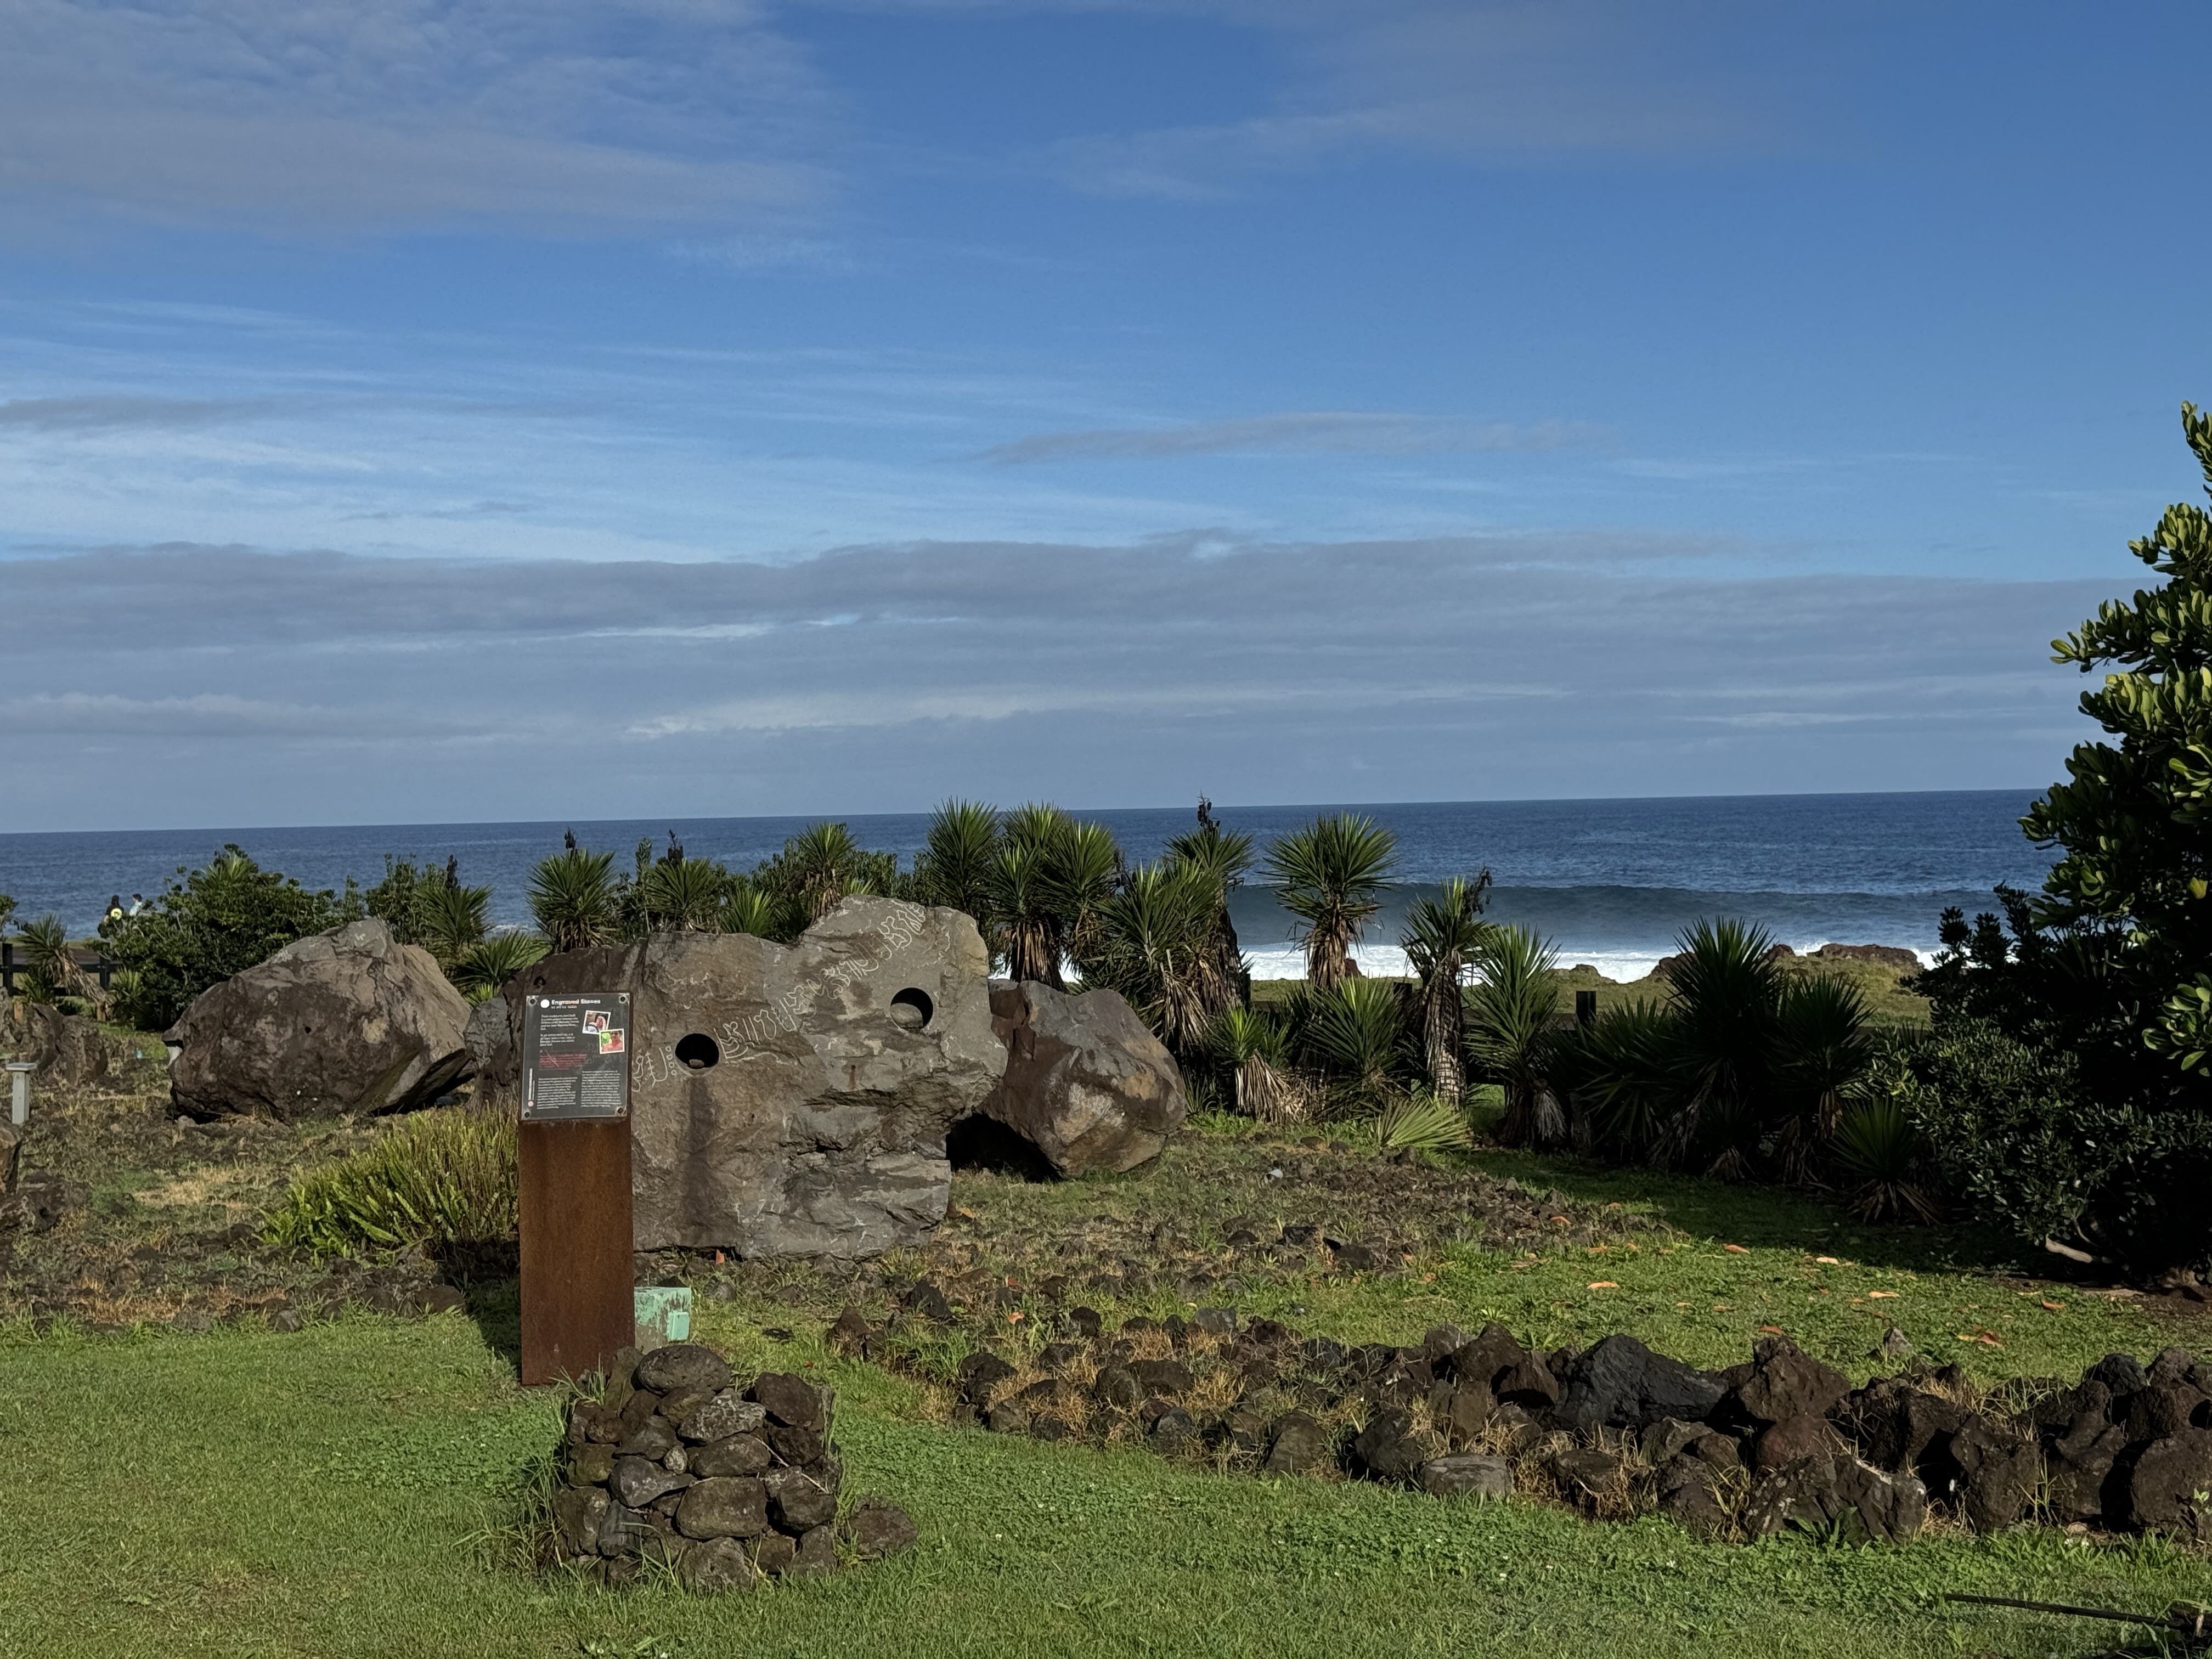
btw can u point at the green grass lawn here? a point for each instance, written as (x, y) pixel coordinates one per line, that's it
(341, 1491)
(246, 1493)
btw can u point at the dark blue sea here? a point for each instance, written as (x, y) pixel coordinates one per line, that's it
(1613, 882)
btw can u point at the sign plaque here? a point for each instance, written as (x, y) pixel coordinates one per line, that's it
(576, 1057)
(578, 1301)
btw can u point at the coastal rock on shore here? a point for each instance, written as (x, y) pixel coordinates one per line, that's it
(347, 1021)
(789, 1100)
(1086, 1082)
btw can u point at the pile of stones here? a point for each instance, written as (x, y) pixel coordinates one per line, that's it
(1780, 1442)
(678, 1465)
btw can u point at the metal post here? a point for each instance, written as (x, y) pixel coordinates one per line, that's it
(19, 1099)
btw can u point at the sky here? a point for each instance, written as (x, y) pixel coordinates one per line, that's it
(435, 412)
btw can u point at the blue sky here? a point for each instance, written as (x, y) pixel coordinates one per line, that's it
(421, 412)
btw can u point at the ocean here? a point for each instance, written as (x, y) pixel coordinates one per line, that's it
(1613, 882)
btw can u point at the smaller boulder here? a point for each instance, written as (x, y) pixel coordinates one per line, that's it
(877, 1527)
(684, 1367)
(1466, 1474)
(1086, 1082)
(1300, 1443)
(719, 1566)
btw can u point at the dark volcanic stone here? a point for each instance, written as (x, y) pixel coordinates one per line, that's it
(636, 1482)
(1085, 1321)
(1467, 1411)
(2080, 1462)
(720, 1416)
(1355, 1258)
(1214, 1322)
(624, 1531)
(1998, 1475)
(1492, 1352)
(1787, 1382)
(1785, 1442)
(851, 1332)
(1687, 1498)
(2166, 1488)
(727, 1506)
(798, 1503)
(653, 1439)
(579, 1513)
(1619, 1384)
(797, 1447)
(1173, 1431)
(1842, 1493)
(817, 1555)
(590, 1465)
(1163, 1377)
(1299, 1443)
(790, 1399)
(741, 1454)
(719, 1565)
(877, 1527)
(1116, 1387)
(1008, 1417)
(1466, 1474)
(2157, 1411)
(1386, 1449)
(926, 1301)
(979, 1373)
(684, 1365)
(2120, 1372)
(1528, 1383)
(1584, 1474)
(774, 1552)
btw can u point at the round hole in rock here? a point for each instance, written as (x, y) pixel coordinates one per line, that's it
(911, 1009)
(698, 1051)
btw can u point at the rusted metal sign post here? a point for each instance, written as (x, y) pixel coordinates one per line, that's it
(577, 1307)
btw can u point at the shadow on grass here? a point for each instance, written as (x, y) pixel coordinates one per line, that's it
(1772, 1217)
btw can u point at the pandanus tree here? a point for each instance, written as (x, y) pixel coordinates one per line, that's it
(1222, 857)
(1154, 946)
(1255, 1045)
(954, 867)
(1440, 938)
(1331, 876)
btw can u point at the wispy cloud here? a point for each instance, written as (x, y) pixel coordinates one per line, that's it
(1327, 431)
(98, 412)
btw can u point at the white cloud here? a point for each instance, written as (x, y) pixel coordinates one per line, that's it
(1296, 434)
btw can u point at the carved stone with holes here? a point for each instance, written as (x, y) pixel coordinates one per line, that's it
(789, 1100)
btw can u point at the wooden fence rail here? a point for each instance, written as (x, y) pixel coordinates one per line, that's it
(10, 965)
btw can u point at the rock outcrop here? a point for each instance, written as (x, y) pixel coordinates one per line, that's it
(347, 1021)
(67, 1049)
(1086, 1082)
(789, 1100)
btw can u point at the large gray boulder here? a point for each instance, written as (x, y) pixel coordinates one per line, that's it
(1086, 1082)
(347, 1021)
(828, 1072)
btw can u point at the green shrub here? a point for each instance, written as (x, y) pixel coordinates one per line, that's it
(217, 921)
(436, 1180)
(484, 969)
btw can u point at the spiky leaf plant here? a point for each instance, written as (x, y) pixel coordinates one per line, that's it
(1253, 1045)
(684, 896)
(433, 1180)
(954, 867)
(1153, 946)
(1355, 1032)
(1818, 1056)
(1726, 992)
(1511, 1006)
(751, 909)
(1022, 899)
(1441, 935)
(1225, 856)
(1627, 1075)
(483, 970)
(1332, 876)
(449, 918)
(1879, 1153)
(1422, 1121)
(571, 895)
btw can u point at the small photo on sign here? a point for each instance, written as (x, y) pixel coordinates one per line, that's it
(611, 1042)
(596, 1021)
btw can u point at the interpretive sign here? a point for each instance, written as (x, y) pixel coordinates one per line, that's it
(573, 1184)
(575, 1057)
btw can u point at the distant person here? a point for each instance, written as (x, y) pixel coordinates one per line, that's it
(137, 905)
(115, 908)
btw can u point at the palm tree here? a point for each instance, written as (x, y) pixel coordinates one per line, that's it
(751, 909)
(1331, 875)
(954, 868)
(1022, 899)
(1083, 865)
(825, 862)
(1440, 934)
(54, 966)
(572, 894)
(1515, 999)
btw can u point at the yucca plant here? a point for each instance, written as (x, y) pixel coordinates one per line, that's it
(1817, 1057)
(451, 919)
(751, 909)
(1511, 1006)
(1226, 857)
(435, 1180)
(483, 970)
(1422, 1121)
(1879, 1153)
(1028, 925)
(684, 896)
(824, 861)
(1726, 992)
(1153, 946)
(1254, 1046)
(1355, 1032)
(1084, 867)
(571, 895)
(1441, 935)
(954, 867)
(1332, 876)
(54, 973)
(1627, 1074)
